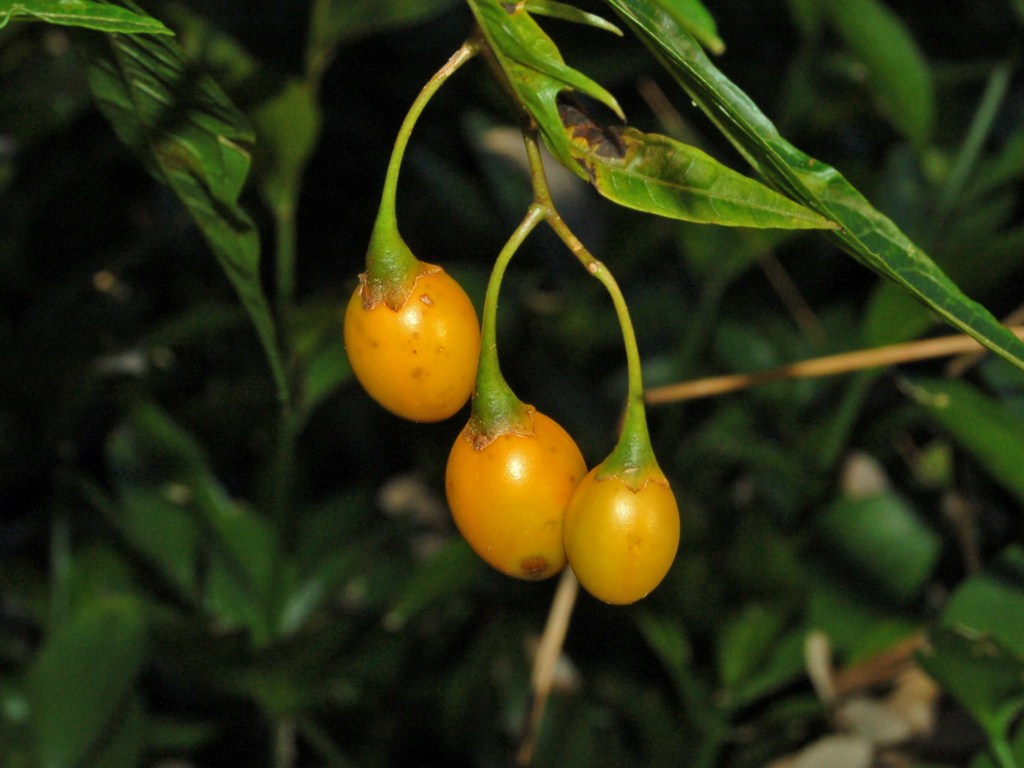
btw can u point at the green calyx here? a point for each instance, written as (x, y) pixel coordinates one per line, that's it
(496, 409)
(632, 459)
(391, 267)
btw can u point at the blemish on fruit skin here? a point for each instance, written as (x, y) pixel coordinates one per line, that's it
(534, 566)
(426, 300)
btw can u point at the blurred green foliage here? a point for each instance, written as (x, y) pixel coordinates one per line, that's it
(215, 549)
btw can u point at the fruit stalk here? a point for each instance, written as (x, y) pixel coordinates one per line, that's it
(632, 455)
(496, 409)
(390, 265)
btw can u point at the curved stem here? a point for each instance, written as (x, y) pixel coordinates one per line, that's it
(496, 409)
(388, 260)
(633, 451)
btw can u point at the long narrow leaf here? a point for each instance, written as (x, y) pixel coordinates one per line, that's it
(83, 672)
(897, 70)
(556, 10)
(193, 139)
(697, 20)
(660, 175)
(151, 453)
(80, 13)
(646, 172)
(535, 70)
(866, 234)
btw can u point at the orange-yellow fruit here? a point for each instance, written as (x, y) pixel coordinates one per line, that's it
(621, 542)
(508, 498)
(420, 361)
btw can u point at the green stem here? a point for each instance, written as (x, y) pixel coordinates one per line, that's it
(388, 259)
(496, 409)
(284, 225)
(633, 452)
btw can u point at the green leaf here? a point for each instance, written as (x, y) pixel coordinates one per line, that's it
(668, 639)
(882, 541)
(157, 463)
(660, 175)
(156, 527)
(985, 427)
(745, 642)
(982, 675)
(1000, 169)
(82, 676)
(192, 138)
(535, 71)
(977, 652)
(1015, 749)
(991, 603)
(866, 234)
(288, 128)
(646, 172)
(556, 10)
(695, 19)
(82, 13)
(897, 70)
(782, 665)
(893, 316)
(124, 747)
(284, 110)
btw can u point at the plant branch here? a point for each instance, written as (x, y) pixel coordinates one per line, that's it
(831, 365)
(633, 451)
(545, 661)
